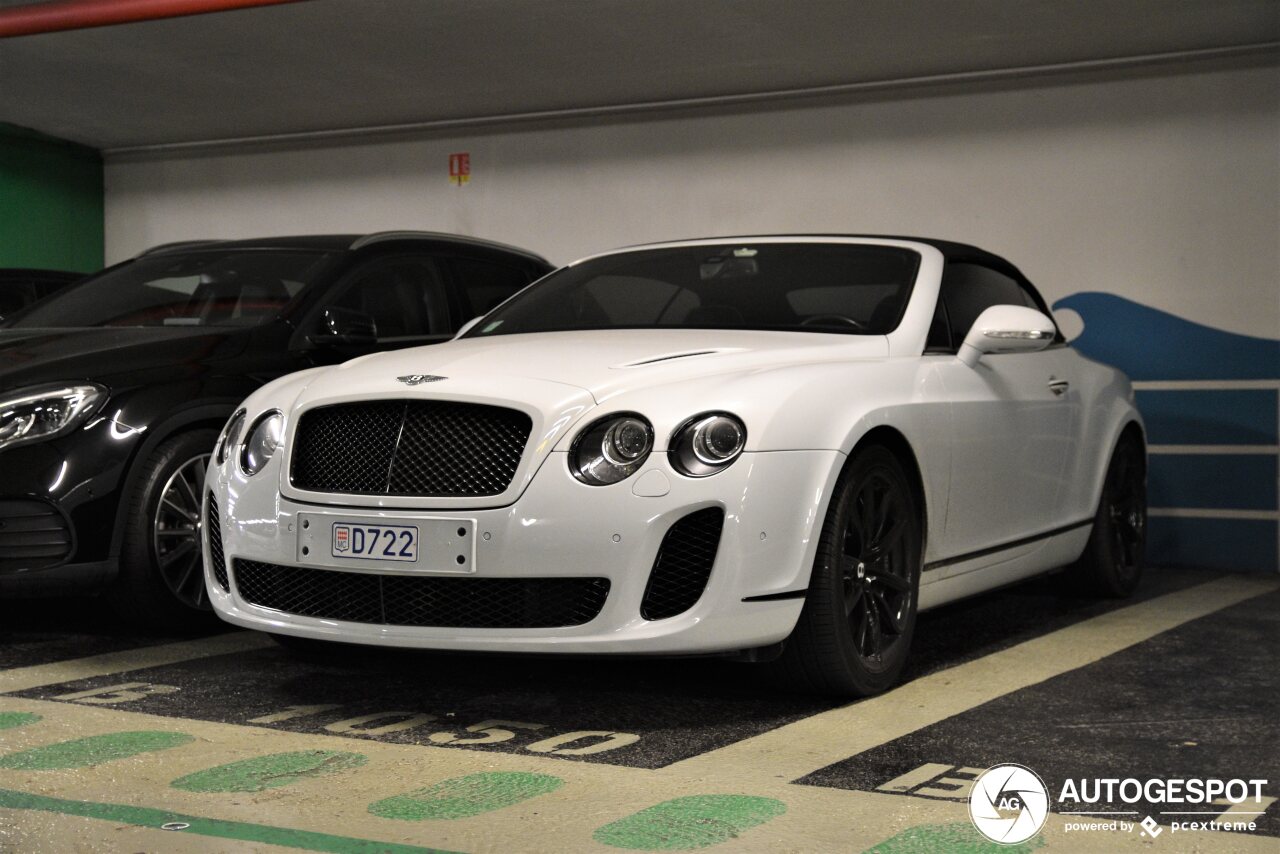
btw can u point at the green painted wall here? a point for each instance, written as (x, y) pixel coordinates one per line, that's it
(50, 202)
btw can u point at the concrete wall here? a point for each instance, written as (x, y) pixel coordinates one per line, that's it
(1151, 197)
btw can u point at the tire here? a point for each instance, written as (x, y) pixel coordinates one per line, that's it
(160, 584)
(1111, 565)
(859, 616)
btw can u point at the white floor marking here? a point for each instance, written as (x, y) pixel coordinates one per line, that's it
(799, 748)
(22, 678)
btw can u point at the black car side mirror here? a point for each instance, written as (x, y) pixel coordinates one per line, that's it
(345, 326)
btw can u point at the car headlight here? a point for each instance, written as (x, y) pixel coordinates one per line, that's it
(229, 438)
(707, 443)
(611, 449)
(264, 439)
(46, 412)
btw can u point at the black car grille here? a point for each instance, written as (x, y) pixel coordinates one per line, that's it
(414, 600)
(33, 534)
(215, 546)
(683, 564)
(409, 447)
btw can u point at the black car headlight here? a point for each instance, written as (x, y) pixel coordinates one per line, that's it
(45, 412)
(229, 438)
(611, 449)
(707, 443)
(264, 440)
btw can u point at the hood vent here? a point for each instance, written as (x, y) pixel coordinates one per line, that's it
(667, 357)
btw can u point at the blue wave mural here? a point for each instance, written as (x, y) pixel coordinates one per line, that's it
(1152, 345)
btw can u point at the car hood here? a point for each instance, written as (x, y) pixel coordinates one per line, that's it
(558, 378)
(34, 356)
(602, 363)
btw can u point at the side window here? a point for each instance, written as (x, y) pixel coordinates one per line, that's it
(970, 289)
(405, 296)
(939, 340)
(483, 284)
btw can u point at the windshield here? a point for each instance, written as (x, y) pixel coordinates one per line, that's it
(855, 289)
(206, 288)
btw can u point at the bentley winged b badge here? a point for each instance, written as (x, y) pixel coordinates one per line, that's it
(419, 379)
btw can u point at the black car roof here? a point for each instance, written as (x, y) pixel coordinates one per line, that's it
(341, 243)
(951, 251)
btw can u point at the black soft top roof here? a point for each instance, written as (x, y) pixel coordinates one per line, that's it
(950, 250)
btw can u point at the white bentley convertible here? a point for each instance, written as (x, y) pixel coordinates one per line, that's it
(781, 448)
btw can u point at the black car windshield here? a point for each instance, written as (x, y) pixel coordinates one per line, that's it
(849, 288)
(202, 288)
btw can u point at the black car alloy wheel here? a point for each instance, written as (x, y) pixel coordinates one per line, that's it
(175, 533)
(879, 588)
(1126, 507)
(859, 613)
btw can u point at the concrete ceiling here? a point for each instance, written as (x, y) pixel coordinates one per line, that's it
(326, 65)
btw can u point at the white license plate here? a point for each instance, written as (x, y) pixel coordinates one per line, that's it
(374, 542)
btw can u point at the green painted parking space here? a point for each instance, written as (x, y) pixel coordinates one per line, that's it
(957, 838)
(94, 750)
(464, 797)
(270, 772)
(12, 720)
(683, 824)
(216, 828)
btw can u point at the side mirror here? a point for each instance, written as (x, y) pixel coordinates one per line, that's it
(345, 326)
(467, 327)
(1006, 329)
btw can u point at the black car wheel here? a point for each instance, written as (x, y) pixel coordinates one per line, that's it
(855, 630)
(161, 578)
(1111, 565)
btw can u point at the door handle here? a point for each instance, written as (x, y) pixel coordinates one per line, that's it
(1058, 387)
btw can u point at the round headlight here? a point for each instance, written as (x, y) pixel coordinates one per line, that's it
(707, 443)
(264, 439)
(611, 449)
(230, 437)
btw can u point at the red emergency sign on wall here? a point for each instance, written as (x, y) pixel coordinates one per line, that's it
(459, 168)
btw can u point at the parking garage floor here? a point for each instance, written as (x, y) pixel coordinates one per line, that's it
(111, 741)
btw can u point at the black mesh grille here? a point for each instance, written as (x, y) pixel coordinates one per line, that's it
(409, 447)
(409, 600)
(683, 565)
(215, 545)
(33, 535)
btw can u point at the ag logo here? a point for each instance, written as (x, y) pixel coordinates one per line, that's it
(1008, 804)
(419, 379)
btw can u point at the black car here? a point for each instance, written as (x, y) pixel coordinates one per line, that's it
(112, 392)
(21, 287)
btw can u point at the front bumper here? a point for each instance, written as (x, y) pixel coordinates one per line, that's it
(773, 503)
(59, 501)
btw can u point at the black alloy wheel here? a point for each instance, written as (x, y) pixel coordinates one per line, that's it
(878, 582)
(175, 533)
(859, 614)
(1111, 565)
(160, 582)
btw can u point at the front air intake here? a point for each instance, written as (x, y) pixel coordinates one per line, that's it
(216, 555)
(33, 534)
(419, 600)
(683, 566)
